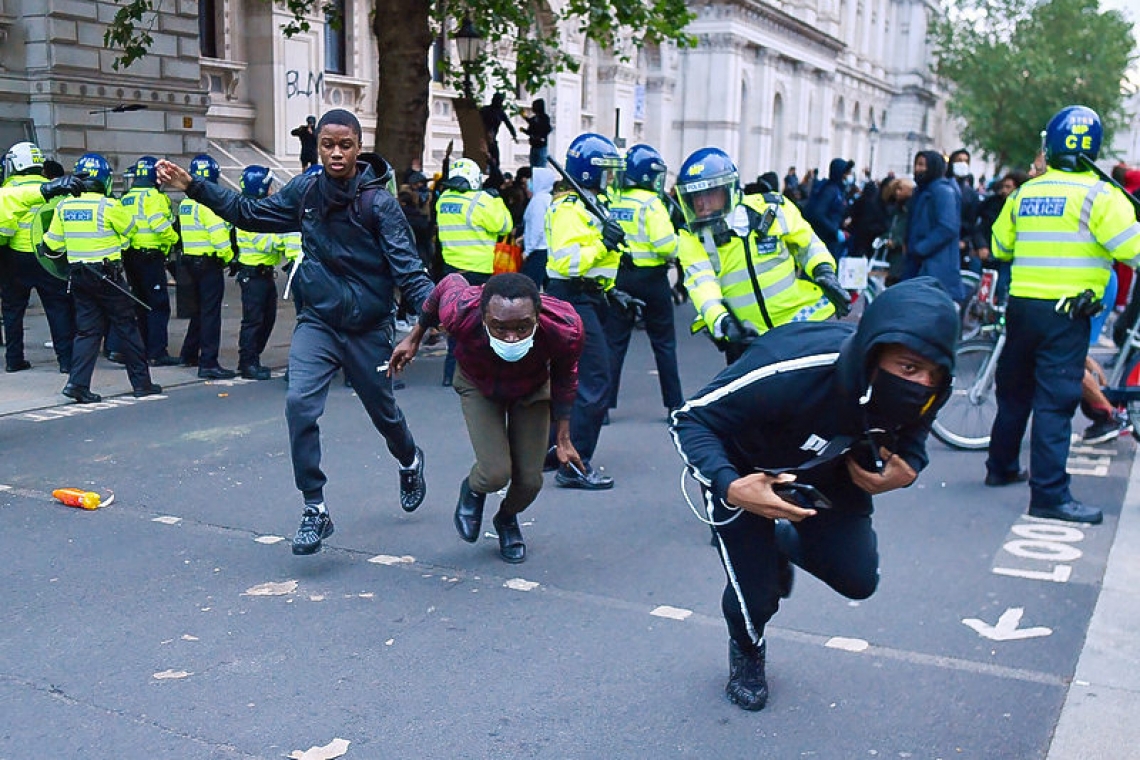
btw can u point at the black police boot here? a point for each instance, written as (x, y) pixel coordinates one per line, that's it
(747, 685)
(166, 360)
(1070, 511)
(469, 513)
(254, 372)
(18, 366)
(511, 546)
(413, 488)
(216, 373)
(316, 526)
(150, 389)
(81, 394)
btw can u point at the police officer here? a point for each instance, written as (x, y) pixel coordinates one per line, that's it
(842, 411)
(93, 230)
(1061, 230)
(582, 265)
(470, 221)
(652, 246)
(17, 199)
(747, 258)
(23, 165)
(206, 250)
(257, 255)
(145, 260)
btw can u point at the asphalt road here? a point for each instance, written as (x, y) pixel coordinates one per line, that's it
(145, 629)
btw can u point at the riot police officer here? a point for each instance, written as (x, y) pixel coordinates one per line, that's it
(206, 250)
(144, 261)
(747, 259)
(470, 222)
(23, 165)
(652, 246)
(258, 253)
(582, 265)
(93, 229)
(1061, 230)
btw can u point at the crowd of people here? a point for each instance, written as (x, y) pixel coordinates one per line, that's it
(538, 281)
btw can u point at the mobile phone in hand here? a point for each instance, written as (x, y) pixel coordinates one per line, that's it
(802, 495)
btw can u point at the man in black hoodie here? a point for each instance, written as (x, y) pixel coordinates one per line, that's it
(842, 409)
(356, 247)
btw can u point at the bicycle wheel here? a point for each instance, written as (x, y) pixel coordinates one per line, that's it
(967, 418)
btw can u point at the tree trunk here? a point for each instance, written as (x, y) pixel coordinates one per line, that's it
(404, 39)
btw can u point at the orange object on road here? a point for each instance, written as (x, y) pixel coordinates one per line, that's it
(77, 497)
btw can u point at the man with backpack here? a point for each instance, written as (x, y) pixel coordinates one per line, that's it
(356, 248)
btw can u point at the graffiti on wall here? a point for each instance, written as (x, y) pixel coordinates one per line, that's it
(303, 84)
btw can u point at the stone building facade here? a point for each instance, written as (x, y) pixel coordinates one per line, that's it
(776, 83)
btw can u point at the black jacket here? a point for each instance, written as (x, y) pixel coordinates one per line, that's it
(348, 272)
(802, 384)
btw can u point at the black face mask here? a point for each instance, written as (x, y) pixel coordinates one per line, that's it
(896, 402)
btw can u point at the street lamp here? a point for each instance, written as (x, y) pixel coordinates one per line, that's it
(873, 136)
(470, 45)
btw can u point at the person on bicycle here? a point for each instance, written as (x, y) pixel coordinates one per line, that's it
(1061, 230)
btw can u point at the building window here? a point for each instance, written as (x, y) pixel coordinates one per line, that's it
(208, 28)
(336, 39)
(438, 58)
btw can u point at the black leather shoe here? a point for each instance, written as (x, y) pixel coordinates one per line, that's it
(150, 389)
(590, 480)
(995, 480)
(81, 394)
(413, 488)
(511, 546)
(747, 685)
(1070, 511)
(316, 526)
(255, 372)
(216, 373)
(469, 513)
(116, 358)
(19, 366)
(165, 361)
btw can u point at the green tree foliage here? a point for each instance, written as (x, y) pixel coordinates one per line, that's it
(1011, 65)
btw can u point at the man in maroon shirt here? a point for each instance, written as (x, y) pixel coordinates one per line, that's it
(517, 354)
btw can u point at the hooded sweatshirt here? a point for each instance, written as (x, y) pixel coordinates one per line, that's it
(933, 226)
(801, 386)
(827, 207)
(534, 224)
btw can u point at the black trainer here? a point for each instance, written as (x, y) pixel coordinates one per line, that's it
(511, 546)
(316, 526)
(747, 685)
(412, 485)
(1070, 511)
(1105, 430)
(469, 513)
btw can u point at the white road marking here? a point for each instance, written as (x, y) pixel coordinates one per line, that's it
(167, 675)
(673, 613)
(271, 589)
(388, 559)
(1006, 627)
(269, 540)
(167, 520)
(846, 644)
(520, 584)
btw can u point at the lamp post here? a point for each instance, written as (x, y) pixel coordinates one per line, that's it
(873, 137)
(470, 45)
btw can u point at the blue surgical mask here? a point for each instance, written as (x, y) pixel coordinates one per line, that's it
(511, 352)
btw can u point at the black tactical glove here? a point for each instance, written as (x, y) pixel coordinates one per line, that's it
(825, 278)
(624, 302)
(612, 234)
(234, 266)
(68, 184)
(729, 329)
(287, 267)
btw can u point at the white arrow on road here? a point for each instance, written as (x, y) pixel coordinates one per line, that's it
(1006, 628)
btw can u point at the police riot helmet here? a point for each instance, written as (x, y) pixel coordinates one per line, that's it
(144, 174)
(1073, 131)
(644, 168)
(464, 174)
(594, 163)
(205, 167)
(22, 157)
(255, 181)
(98, 176)
(708, 186)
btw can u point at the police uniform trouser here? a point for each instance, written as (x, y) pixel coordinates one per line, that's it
(650, 284)
(146, 272)
(98, 304)
(204, 333)
(838, 546)
(594, 375)
(473, 278)
(258, 313)
(1039, 372)
(316, 353)
(24, 275)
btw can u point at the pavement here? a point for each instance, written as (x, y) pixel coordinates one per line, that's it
(1099, 701)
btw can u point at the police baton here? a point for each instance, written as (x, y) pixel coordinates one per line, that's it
(121, 289)
(588, 200)
(1087, 163)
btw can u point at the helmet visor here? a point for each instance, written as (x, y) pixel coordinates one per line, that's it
(707, 200)
(611, 175)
